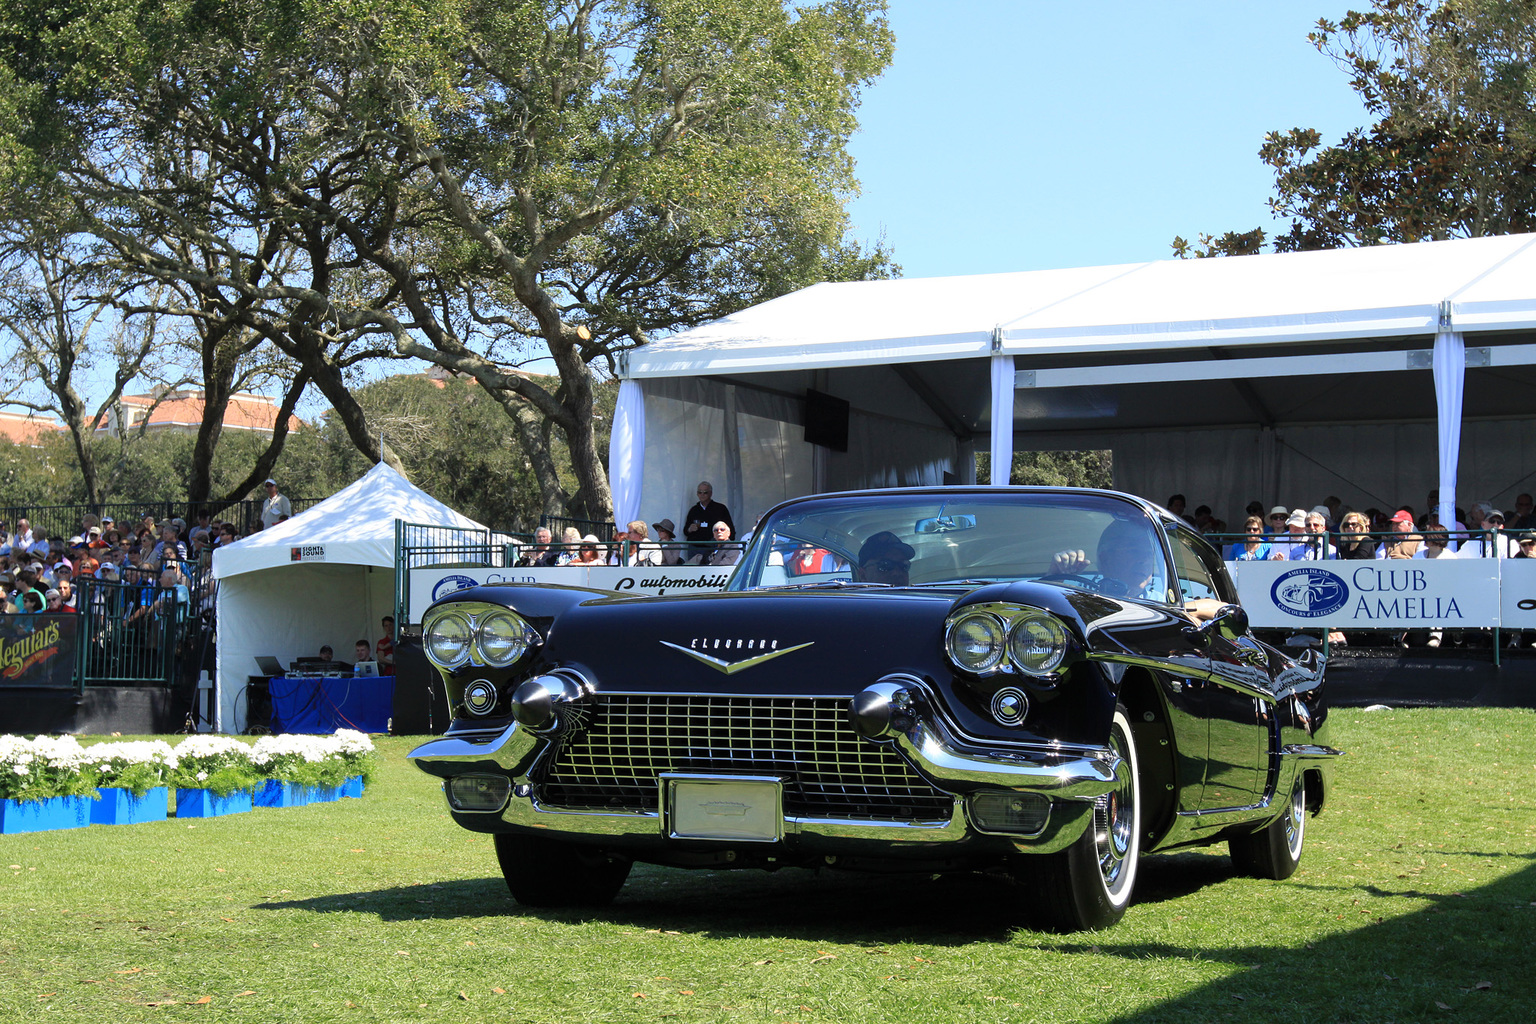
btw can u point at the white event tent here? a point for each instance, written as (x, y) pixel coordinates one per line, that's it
(326, 576)
(1281, 377)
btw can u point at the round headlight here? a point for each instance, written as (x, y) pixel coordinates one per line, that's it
(976, 642)
(446, 640)
(1037, 644)
(504, 638)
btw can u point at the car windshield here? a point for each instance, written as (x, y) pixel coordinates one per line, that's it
(1092, 541)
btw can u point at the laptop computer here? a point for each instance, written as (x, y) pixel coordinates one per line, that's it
(269, 665)
(366, 668)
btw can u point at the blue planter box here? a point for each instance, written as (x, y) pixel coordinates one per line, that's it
(205, 803)
(276, 793)
(324, 794)
(121, 807)
(353, 787)
(17, 816)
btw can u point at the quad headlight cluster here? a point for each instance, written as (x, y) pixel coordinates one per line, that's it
(483, 635)
(986, 639)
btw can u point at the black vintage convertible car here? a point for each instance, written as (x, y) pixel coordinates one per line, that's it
(1043, 684)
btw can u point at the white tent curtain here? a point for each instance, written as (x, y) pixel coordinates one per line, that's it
(626, 452)
(698, 429)
(1450, 362)
(1002, 419)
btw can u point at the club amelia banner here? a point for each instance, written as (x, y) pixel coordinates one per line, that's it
(1381, 594)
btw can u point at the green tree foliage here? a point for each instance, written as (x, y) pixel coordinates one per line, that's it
(1452, 152)
(452, 439)
(470, 184)
(1053, 469)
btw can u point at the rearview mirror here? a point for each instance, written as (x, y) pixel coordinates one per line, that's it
(945, 524)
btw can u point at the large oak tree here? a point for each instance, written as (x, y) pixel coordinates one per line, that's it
(474, 184)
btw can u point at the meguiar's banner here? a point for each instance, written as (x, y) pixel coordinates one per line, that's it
(37, 650)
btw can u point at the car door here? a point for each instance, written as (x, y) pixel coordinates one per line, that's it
(1233, 699)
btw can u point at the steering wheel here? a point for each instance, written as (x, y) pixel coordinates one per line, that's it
(1070, 577)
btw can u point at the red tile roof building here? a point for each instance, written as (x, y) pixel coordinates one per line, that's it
(182, 411)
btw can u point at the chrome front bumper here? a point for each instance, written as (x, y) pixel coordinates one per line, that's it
(1072, 780)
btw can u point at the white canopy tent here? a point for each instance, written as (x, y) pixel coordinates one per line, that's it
(326, 576)
(1282, 377)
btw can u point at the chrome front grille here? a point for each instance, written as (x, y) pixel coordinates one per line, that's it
(829, 771)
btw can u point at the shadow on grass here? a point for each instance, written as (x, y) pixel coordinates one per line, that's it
(1465, 953)
(833, 906)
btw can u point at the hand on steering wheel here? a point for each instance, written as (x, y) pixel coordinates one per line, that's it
(1069, 563)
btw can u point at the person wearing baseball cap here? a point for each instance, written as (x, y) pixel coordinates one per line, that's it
(1495, 543)
(275, 508)
(884, 558)
(1403, 543)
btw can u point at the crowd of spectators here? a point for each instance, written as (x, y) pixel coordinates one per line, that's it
(1332, 530)
(709, 539)
(146, 551)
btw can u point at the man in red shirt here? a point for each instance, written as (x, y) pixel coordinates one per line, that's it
(384, 650)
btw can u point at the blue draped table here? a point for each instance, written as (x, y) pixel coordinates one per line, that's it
(364, 703)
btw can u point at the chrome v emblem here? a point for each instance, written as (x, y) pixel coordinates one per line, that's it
(730, 668)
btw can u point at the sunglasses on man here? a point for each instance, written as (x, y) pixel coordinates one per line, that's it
(888, 565)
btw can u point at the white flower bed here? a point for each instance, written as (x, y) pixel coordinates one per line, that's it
(51, 766)
(45, 767)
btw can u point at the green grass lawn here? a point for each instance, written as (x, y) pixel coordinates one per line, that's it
(1416, 900)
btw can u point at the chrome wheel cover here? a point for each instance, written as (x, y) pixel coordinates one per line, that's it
(1295, 821)
(1115, 826)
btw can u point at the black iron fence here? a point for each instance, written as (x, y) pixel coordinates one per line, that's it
(556, 524)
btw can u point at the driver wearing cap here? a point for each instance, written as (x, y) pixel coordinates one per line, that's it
(884, 559)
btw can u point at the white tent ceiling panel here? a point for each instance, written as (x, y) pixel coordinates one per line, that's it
(1311, 296)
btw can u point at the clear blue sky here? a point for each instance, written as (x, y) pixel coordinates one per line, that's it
(1029, 134)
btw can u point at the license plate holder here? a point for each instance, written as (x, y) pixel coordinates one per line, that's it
(728, 808)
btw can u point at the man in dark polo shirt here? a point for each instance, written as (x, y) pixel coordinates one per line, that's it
(700, 519)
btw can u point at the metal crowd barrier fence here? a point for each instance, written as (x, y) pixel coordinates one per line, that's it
(600, 529)
(64, 521)
(135, 633)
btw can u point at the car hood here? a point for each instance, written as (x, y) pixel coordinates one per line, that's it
(822, 640)
(802, 642)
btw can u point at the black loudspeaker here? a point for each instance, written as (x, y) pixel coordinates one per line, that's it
(826, 420)
(258, 706)
(421, 703)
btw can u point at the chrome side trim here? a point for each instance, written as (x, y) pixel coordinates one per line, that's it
(1310, 751)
